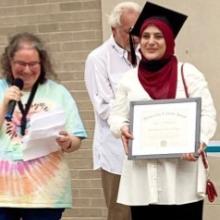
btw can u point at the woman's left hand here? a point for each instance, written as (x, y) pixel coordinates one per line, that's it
(125, 137)
(67, 142)
(194, 156)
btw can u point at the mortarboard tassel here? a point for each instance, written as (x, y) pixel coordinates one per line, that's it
(133, 55)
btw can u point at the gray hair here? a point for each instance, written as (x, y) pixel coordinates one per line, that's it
(15, 43)
(115, 16)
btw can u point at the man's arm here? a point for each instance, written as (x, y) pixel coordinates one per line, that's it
(98, 85)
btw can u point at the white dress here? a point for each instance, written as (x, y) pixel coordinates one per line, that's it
(162, 181)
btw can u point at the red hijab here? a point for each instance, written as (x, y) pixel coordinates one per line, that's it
(159, 77)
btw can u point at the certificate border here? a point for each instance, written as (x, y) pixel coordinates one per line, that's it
(197, 100)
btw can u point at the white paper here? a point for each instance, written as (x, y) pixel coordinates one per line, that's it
(43, 131)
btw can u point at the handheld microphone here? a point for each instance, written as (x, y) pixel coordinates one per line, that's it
(11, 105)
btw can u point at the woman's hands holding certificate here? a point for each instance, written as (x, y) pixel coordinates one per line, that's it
(194, 156)
(125, 137)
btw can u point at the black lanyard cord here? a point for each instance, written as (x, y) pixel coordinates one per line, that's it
(25, 110)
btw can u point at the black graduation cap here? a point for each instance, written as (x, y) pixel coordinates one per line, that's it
(174, 19)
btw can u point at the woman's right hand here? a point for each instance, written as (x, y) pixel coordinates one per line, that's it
(125, 137)
(12, 93)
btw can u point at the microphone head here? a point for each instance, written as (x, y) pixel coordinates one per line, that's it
(19, 83)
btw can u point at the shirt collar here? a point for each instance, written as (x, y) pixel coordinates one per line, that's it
(122, 52)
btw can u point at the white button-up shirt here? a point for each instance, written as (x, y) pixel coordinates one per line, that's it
(103, 69)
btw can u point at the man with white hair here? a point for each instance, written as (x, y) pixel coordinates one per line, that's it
(104, 68)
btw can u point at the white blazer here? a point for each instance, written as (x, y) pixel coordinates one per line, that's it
(163, 181)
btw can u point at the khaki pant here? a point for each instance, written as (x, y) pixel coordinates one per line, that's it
(110, 184)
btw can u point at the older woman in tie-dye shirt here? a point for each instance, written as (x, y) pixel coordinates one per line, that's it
(40, 188)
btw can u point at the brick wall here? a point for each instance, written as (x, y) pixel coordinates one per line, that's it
(70, 29)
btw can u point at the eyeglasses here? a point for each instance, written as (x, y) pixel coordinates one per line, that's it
(22, 64)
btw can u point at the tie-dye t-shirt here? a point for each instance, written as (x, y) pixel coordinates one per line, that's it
(45, 181)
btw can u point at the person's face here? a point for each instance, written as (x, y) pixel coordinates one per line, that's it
(152, 43)
(26, 66)
(121, 32)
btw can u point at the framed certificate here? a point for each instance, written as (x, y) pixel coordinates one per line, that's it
(164, 128)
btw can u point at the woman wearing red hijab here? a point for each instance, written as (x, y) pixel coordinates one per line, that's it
(162, 188)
